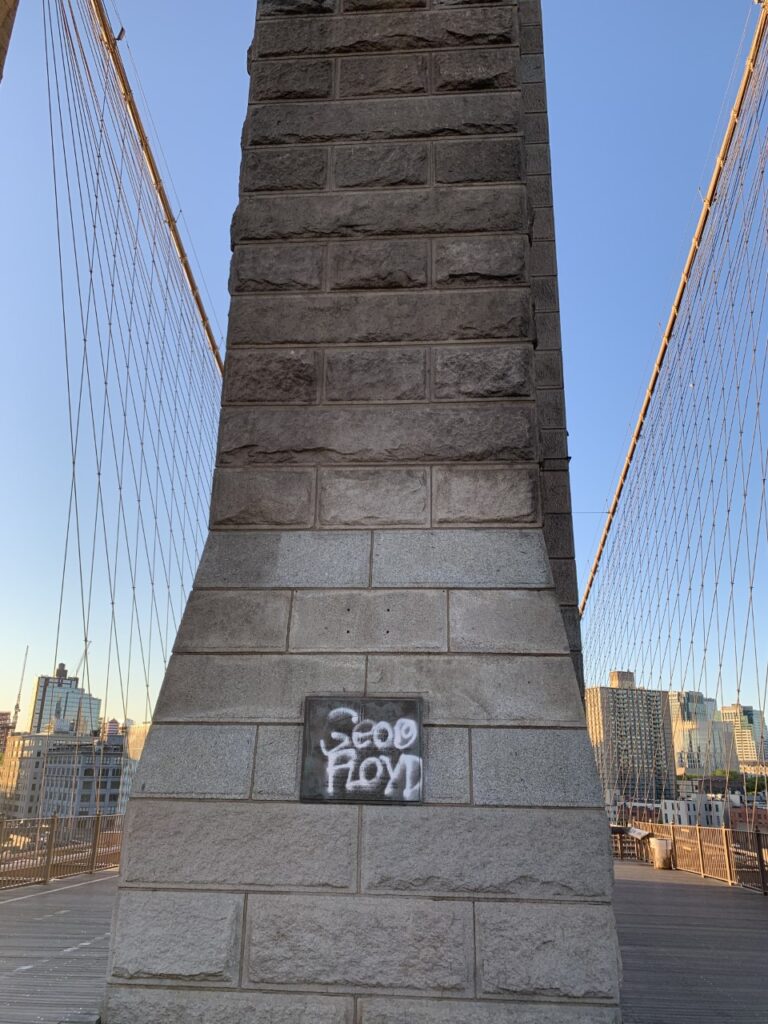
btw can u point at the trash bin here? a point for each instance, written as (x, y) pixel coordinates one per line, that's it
(661, 853)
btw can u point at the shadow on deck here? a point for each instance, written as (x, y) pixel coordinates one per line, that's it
(694, 950)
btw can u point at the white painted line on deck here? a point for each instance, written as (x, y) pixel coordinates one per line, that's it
(61, 888)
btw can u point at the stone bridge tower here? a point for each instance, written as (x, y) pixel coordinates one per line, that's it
(390, 524)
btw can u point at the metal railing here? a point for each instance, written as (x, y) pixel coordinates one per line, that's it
(735, 856)
(34, 850)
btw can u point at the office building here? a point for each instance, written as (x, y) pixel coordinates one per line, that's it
(703, 744)
(60, 698)
(631, 734)
(5, 729)
(749, 733)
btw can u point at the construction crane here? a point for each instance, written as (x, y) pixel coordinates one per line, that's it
(17, 707)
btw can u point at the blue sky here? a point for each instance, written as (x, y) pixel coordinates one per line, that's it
(637, 95)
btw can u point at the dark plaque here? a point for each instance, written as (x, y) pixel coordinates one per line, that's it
(362, 751)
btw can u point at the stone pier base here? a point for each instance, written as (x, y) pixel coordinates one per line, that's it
(390, 523)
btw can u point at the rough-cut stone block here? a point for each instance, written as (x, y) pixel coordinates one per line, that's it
(187, 936)
(233, 620)
(253, 688)
(507, 622)
(556, 491)
(564, 575)
(483, 371)
(531, 38)
(534, 767)
(464, 1011)
(479, 160)
(387, 264)
(263, 497)
(476, 69)
(381, 165)
(543, 261)
(420, 945)
(379, 213)
(291, 80)
(280, 558)
(283, 170)
(278, 755)
(373, 497)
(446, 752)
(196, 760)
(548, 330)
(496, 260)
(376, 375)
(549, 369)
(286, 7)
(129, 1004)
(460, 558)
(545, 294)
(543, 226)
(366, 620)
(268, 845)
(534, 96)
(554, 444)
(287, 377)
(273, 268)
(375, 76)
(392, 31)
(572, 622)
(485, 494)
(476, 689)
(527, 854)
(558, 533)
(369, 317)
(529, 12)
(535, 127)
(383, 5)
(368, 120)
(537, 159)
(550, 407)
(488, 433)
(545, 950)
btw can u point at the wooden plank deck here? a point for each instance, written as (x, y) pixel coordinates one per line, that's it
(53, 948)
(695, 951)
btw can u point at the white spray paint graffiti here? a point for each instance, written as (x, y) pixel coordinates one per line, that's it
(366, 757)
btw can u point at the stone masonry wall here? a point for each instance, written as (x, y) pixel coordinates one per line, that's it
(390, 517)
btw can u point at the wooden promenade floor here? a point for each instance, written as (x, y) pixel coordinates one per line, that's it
(695, 951)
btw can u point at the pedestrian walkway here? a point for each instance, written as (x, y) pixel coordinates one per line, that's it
(53, 949)
(694, 951)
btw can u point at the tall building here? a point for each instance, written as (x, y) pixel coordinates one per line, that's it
(87, 775)
(749, 733)
(5, 729)
(703, 743)
(21, 773)
(631, 734)
(59, 772)
(60, 698)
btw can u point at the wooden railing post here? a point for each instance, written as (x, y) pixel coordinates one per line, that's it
(51, 846)
(761, 862)
(95, 843)
(727, 852)
(701, 850)
(674, 847)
